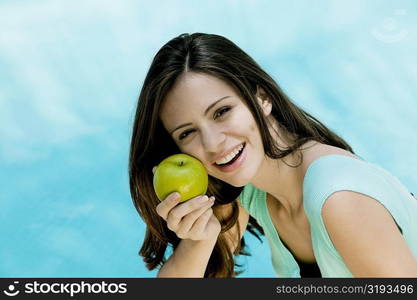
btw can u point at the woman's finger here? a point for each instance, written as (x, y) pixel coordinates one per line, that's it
(188, 221)
(200, 224)
(191, 205)
(175, 215)
(167, 205)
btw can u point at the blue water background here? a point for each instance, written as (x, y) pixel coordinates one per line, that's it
(70, 74)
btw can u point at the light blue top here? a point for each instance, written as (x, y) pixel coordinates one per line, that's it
(325, 176)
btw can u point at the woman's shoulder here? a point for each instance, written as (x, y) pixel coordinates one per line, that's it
(323, 162)
(328, 169)
(315, 151)
(331, 170)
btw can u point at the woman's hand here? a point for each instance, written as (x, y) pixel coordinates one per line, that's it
(192, 219)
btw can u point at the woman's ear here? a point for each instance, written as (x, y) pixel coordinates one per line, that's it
(264, 101)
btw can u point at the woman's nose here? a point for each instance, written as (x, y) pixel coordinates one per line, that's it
(212, 140)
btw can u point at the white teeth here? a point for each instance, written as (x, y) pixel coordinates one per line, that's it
(229, 156)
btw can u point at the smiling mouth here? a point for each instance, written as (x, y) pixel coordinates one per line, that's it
(233, 159)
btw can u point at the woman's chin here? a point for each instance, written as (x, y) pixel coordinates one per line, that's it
(236, 183)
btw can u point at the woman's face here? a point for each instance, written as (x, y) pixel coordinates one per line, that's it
(208, 120)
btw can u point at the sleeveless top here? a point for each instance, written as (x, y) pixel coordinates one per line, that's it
(325, 176)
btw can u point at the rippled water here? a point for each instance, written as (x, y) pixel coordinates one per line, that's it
(69, 77)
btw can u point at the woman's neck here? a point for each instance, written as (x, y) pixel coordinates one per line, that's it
(283, 182)
(283, 178)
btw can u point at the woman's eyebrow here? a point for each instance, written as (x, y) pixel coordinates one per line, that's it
(214, 103)
(205, 113)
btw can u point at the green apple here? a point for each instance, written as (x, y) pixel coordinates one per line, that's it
(180, 173)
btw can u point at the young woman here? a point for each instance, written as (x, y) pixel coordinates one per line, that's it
(273, 169)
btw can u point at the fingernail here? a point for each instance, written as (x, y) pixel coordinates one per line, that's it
(203, 199)
(212, 198)
(176, 196)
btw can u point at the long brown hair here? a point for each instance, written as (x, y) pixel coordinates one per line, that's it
(217, 56)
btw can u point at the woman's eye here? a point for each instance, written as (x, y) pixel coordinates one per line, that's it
(184, 134)
(221, 111)
(217, 114)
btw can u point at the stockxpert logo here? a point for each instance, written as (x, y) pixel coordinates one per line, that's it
(11, 289)
(72, 289)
